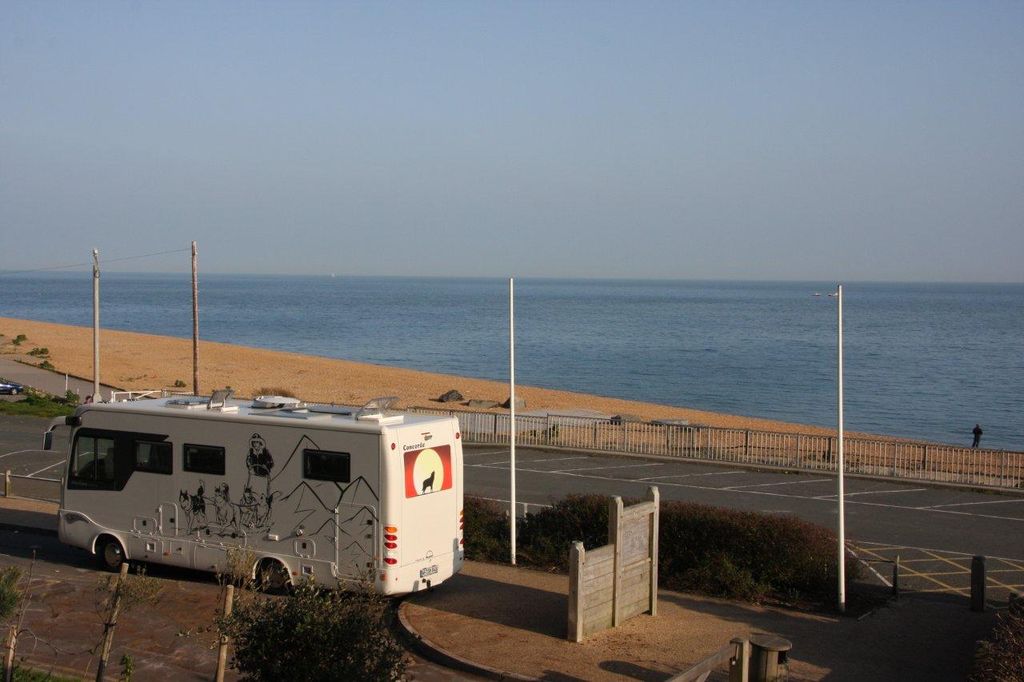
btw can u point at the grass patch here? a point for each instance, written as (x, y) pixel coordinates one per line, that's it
(703, 549)
(36, 404)
(32, 675)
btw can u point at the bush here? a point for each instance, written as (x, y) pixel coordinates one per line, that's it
(46, 364)
(37, 404)
(486, 533)
(703, 549)
(10, 595)
(39, 352)
(17, 340)
(178, 383)
(1001, 656)
(270, 390)
(315, 635)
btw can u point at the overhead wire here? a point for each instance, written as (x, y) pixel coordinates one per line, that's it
(88, 264)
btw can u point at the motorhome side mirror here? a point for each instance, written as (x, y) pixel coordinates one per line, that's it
(48, 440)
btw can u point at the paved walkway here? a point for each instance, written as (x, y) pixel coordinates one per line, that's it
(515, 620)
(45, 380)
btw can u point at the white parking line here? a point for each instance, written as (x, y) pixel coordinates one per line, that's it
(870, 568)
(19, 452)
(506, 462)
(623, 466)
(760, 485)
(769, 493)
(876, 492)
(55, 464)
(969, 504)
(470, 453)
(706, 473)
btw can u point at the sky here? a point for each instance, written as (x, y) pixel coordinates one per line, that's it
(684, 140)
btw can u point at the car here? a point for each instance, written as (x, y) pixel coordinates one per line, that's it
(10, 387)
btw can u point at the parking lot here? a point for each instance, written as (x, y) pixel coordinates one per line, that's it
(934, 531)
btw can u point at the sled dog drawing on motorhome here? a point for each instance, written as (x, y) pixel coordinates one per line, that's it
(315, 492)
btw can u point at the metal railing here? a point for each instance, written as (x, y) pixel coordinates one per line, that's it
(32, 487)
(907, 460)
(122, 396)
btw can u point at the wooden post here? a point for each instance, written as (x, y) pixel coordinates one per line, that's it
(896, 578)
(577, 555)
(739, 667)
(12, 644)
(108, 628)
(222, 654)
(195, 320)
(655, 497)
(615, 539)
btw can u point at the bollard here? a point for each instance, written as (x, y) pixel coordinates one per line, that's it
(978, 584)
(896, 578)
(7, 483)
(768, 654)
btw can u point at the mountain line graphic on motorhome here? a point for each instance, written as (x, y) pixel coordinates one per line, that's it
(219, 515)
(314, 492)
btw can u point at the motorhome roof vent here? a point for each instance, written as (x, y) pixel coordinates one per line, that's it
(190, 403)
(275, 402)
(376, 410)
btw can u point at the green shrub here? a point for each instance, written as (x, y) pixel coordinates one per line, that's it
(10, 595)
(178, 383)
(39, 352)
(18, 339)
(272, 390)
(486, 533)
(46, 364)
(37, 404)
(1000, 657)
(315, 635)
(704, 549)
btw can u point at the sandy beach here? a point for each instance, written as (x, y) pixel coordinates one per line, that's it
(134, 361)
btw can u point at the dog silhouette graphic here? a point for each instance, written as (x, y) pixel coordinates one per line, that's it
(428, 483)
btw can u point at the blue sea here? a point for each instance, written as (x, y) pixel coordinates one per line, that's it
(921, 360)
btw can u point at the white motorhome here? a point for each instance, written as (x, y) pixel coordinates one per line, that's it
(312, 491)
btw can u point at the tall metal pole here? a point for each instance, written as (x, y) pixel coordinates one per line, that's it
(839, 461)
(512, 407)
(195, 321)
(96, 325)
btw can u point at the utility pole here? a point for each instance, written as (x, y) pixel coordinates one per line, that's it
(839, 460)
(195, 321)
(95, 325)
(512, 414)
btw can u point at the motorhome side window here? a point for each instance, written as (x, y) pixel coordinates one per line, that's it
(93, 462)
(324, 465)
(204, 459)
(153, 457)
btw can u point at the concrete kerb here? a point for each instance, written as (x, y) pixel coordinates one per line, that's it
(432, 652)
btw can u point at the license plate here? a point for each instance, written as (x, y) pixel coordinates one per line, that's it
(429, 570)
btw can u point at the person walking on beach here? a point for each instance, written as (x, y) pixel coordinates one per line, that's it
(977, 435)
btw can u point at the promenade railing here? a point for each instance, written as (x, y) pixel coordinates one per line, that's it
(897, 459)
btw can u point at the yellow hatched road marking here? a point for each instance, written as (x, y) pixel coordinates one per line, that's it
(1011, 563)
(987, 578)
